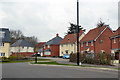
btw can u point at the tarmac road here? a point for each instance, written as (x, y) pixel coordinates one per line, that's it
(26, 70)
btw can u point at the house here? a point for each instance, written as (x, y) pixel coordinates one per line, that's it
(4, 42)
(39, 48)
(115, 43)
(69, 43)
(21, 46)
(51, 48)
(97, 40)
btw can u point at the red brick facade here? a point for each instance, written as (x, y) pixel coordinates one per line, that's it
(101, 41)
(54, 50)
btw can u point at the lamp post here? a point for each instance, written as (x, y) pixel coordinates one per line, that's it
(78, 32)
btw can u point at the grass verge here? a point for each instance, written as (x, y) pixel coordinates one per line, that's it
(55, 63)
(18, 61)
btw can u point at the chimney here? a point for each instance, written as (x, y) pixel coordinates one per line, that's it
(57, 35)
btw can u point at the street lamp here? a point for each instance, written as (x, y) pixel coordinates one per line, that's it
(36, 57)
(78, 32)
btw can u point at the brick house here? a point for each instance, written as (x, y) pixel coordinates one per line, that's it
(39, 48)
(115, 43)
(69, 45)
(51, 48)
(97, 40)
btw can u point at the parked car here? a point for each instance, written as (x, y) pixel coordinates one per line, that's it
(34, 55)
(66, 56)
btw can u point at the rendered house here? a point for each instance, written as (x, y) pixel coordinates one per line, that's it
(115, 43)
(69, 43)
(4, 42)
(97, 40)
(51, 48)
(21, 46)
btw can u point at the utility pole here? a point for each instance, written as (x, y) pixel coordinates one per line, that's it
(78, 32)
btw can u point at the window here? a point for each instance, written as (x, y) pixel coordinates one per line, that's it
(1, 44)
(82, 44)
(82, 52)
(2, 34)
(71, 45)
(62, 52)
(44, 46)
(91, 43)
(66, 45)
(48, 46)
(114, 40)
(86, 43)
(62, 45)
(119, 39)
(2, 54)
(92, 51)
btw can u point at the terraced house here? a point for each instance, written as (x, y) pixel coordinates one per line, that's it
(69, 45)
(4, 42)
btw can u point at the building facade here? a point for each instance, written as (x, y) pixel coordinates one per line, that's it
(51, 48)
(97, 40)
(4, 42)
(69, 45)
(21, 46)
(115, 43)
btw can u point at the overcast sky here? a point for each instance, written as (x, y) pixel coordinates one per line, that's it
(45, 18)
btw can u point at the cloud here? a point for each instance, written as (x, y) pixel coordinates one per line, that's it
(46, 18)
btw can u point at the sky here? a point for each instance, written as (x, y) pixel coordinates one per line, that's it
(45, 18)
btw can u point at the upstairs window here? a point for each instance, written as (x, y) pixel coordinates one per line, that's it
(119, 39)
(91, 43)
(86, 43)
(82, 44)
(48, 46)
(44, 46)
(114, 40)
(2, 34)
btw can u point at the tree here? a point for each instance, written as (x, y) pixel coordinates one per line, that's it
(73, 28)
(17, 34)
(100, 23)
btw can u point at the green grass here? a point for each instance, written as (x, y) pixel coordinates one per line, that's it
(55, 63)
(18, 61)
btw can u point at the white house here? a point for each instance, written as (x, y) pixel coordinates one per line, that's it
(21, 46)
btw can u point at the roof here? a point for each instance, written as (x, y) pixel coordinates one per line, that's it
(5, 35)
(94, 34)
(116, 33)
(40, 50)
(54, 41)
(70, 38)
(40, 44)
(22, 43)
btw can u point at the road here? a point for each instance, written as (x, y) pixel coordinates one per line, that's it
(26, 70)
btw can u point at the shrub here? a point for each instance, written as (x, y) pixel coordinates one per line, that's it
(90, 58)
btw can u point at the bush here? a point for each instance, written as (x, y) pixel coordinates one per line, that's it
(90, 58)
